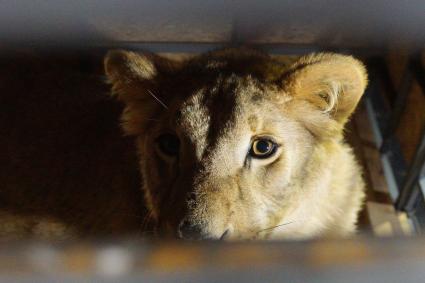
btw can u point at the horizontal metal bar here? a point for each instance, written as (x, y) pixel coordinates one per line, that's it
(380, 260)
(80, 22)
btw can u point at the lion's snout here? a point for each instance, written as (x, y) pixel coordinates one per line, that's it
(189, 230)
(192, 231)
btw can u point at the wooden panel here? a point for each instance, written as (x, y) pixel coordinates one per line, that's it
(396, 61)
(413, 119)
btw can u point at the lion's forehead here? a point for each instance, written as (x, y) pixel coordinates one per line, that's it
(214, 116)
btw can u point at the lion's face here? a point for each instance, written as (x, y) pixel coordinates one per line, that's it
(222, 150)
(221, 160)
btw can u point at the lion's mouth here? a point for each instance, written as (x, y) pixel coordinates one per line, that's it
(225, 235)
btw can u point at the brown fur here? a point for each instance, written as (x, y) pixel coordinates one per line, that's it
(216, 104)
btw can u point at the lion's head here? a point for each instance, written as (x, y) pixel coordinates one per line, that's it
(230, 140)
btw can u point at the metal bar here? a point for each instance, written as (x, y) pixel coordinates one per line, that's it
(411, 195)
(416, 208)
(407, 191)
(379, 260)
(422, 179)
(394, 172)
(419, 215)
(393, 162)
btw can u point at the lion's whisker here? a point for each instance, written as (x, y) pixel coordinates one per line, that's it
(157, 99)
(274, 227)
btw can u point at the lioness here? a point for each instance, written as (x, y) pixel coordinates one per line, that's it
(234, 144)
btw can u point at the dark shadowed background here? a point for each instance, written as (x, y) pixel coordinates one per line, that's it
(63, 153)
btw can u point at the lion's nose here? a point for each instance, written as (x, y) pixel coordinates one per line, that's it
(189, 230)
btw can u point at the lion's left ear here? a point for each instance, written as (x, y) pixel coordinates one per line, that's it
(332, 83)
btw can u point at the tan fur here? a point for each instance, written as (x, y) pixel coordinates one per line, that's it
(216, 104)
(14, 227)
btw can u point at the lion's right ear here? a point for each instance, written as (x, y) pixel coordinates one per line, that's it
(133, 74)
(134, 78)
(127, 66)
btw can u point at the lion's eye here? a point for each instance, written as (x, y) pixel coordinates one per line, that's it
(169, 144)
(262, 148)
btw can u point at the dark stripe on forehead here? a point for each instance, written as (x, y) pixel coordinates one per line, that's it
(221, 108)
